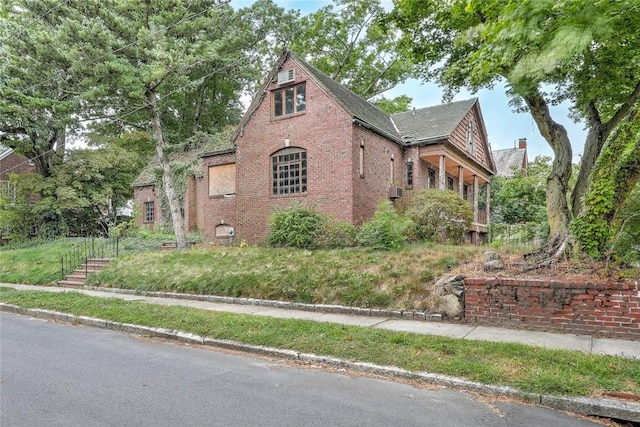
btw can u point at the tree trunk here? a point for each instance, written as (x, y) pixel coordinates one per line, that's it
(614, 176)
(167, 179)
(557, 182)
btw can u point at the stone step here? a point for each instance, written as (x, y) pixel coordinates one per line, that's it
(71, 284)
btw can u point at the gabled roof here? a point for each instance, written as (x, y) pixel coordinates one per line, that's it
(509, 160)
(414, 127)
(358, 107)
(431, 123)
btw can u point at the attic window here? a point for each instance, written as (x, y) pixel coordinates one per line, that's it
(286, 76)
(289, 101)
(470, 144)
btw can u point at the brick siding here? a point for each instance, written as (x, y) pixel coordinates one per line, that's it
(609, 309)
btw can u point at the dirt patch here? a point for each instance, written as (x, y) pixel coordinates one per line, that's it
(574, 270)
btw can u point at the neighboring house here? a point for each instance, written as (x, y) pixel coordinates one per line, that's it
(305, 139)
(511, 160)
(11, 163)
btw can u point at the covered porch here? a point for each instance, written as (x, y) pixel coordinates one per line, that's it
(449, 168)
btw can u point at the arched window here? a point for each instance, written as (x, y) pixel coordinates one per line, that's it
(289, 171)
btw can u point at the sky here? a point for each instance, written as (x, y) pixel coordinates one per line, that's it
(504, 127)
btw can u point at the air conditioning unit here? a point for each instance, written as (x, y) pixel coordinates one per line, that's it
(286, 76)
(395, 192)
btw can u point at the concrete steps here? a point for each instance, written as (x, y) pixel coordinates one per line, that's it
(78, 277)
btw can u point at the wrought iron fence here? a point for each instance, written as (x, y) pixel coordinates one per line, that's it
(89, 248)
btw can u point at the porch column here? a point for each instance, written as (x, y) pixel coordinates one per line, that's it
(460, 182)
(475, 198)
(442, 177)
(487, 203)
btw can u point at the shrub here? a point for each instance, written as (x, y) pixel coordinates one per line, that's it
(385, 230)
(439, 215)
(336, 234)
(295, 226)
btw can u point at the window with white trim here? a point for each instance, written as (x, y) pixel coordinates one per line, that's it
(289, 171)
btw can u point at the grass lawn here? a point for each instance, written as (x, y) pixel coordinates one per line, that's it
(400, 279)
(527, 368)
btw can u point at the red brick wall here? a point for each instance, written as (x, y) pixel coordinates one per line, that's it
(142, 194)
(373, 186)
(324, 130)
(212, 211)
(595, 308)
(14, 163)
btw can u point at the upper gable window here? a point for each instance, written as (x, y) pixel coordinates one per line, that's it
(289, 100)
(470, 145)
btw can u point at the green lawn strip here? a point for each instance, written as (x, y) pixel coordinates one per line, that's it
(530, 369)
(34, 265)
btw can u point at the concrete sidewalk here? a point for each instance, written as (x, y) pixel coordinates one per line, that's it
(584, 343)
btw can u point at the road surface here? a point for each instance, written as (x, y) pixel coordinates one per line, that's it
(55, 374)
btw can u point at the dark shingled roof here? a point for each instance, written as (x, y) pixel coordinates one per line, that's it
(508, 160)
(418, 126)
(431, 123)
(357, 106)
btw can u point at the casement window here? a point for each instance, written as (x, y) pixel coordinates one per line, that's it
(222, 180)
(289, 171)
(361, 160)
(449, 183)
(409, 174)
(431, 178)
(149, 211)
(470, 146)
(289, 100)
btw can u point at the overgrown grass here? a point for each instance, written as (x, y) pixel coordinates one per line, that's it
(33, 265)
(359, 277)
(530, 369)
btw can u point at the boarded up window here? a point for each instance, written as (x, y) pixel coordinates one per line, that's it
(222, 179)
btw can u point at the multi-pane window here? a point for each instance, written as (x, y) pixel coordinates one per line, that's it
(409, 174)
(289, 100)
(470, 145)
(289, 171)
(149, 211)
(432, 178)
(449, 183)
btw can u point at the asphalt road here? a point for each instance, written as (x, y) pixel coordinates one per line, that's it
(60, 375)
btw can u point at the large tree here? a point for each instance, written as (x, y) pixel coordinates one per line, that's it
(583, 52)
(346, 41)
(37, 96)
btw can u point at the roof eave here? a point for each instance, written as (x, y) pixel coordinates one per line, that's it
(379, 131)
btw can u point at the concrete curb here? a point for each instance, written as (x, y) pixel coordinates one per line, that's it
(608, 408)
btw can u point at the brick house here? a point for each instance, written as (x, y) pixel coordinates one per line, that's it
(11, 163)
(307, 139)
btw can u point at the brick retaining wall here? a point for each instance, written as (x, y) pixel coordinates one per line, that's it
(608, 309)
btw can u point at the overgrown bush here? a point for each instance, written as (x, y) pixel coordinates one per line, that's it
(295, 226)
(386, 230)
(439, 215)
(336, 234)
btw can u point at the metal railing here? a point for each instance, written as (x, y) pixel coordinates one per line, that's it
(89, 248)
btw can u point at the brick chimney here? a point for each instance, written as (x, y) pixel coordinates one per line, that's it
(522, 143)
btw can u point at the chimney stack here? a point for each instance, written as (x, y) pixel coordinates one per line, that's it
(522, 143)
